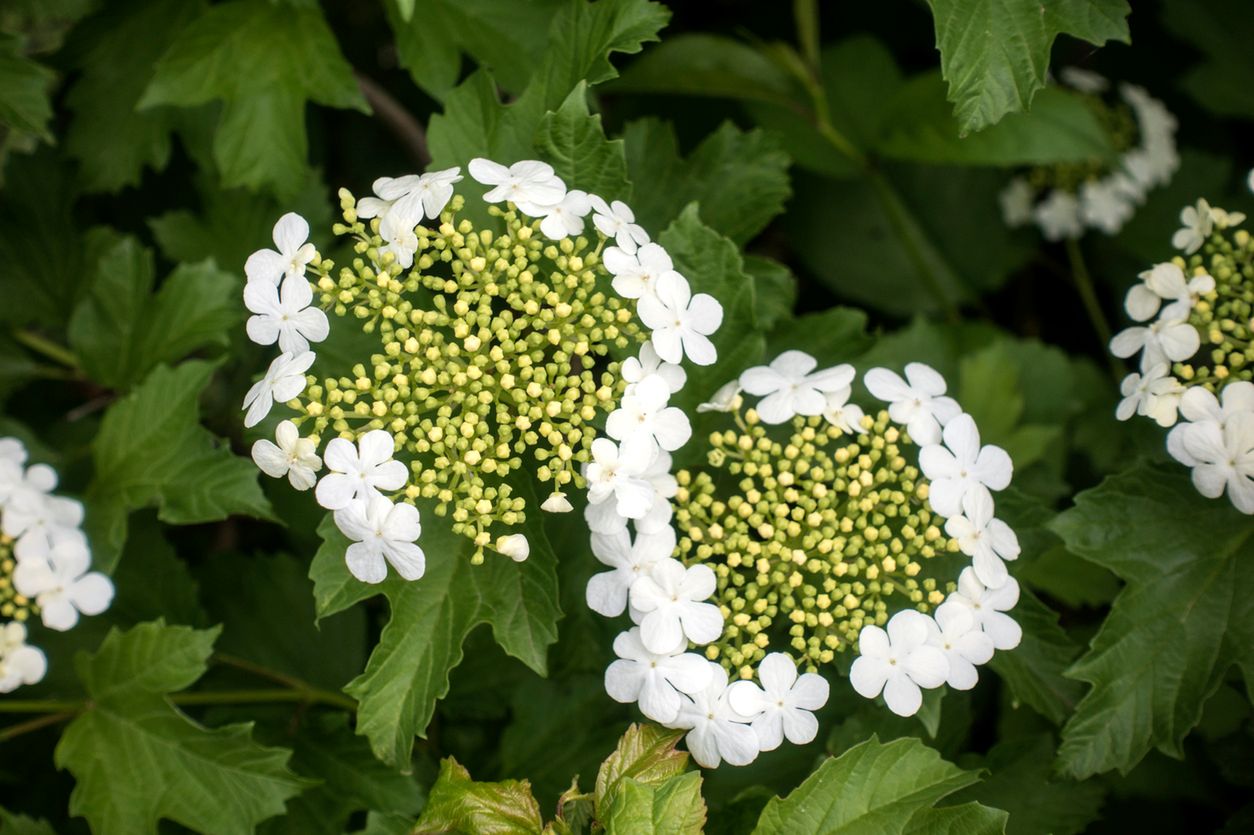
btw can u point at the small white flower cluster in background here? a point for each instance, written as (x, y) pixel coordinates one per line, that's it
(1183, 316)
(1106, 201)
(630, 517)
(44, 563)
(632, 473)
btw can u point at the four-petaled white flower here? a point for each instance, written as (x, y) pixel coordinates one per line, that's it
(681, 322)
(839, 412)
(781, 706)
(293, 255)
(616, 220)
(790, 386)
(644, 423)
(398, 231)
(961, 465)
(1163, 341)
(636, 273)
(293, 456)
(566, 218)
(634, 369)
(987, 540)
(1155, 393)
(955, 633)
(898, 662)
(715, 731)
(654, 680)
(726, 399)
(919, 404)
(283, 381)
(413, 195)
(283, 313)
(20, 663)
(671, 599)
(1235, 398)
(1197, 227)
(1222, 458)
(61, 584)
(36, 519)
(1058, 216)
(381, 531)
(989, 606)
(360, 471)
(529, 184)
(1166, 282)
(612, 478)
(606, 593)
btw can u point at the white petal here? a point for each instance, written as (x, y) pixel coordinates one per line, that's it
(902, 695)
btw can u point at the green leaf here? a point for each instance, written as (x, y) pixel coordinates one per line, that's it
(1185, 617)
(1060, 127)
(136, 759)
(1221, 31)
(24, 85)
(1034, 671)
(674, 807)
(838, 334)
(116, 52)
(152, 582)
(152, 450)
(458, 804)
(264, 62)
(700, 64)
(967, 819)
(871, 788)
(1021, 782)
(995, 53)
(573, 140)
(739, 178)
(646, 754)
(15, 824)
(121, 330)
(775, 288)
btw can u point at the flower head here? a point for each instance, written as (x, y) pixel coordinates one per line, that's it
(782, 706)
(961, 465)
(898, 663)
(292, 456)
(283, 314)
(654, 680)
(382, 533)
(681, 322)
(360, 471)
(671, 599)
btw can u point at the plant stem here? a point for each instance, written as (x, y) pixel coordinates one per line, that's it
(1088, 296)
(264, 696)
(318, 695)
(34, 724)
(40, 706)
(46, 347)
(393, 114)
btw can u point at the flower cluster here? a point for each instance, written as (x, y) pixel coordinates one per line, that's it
(44, 564)
(1064, 199)
(497, 343)
(1195, 343)
(796, 544)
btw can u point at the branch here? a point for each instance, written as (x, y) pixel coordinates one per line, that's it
(397, 119)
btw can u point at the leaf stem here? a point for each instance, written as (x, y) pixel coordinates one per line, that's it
(35, 724)
(47, 348)
(1088, 296)
(394, 115)
(323, 696)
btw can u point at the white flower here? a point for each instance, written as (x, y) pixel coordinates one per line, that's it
(961, 465)
(1058, 216)
(1224, 219)
(716, 732)
(617, 221)
(412, 195)
(681, 323)
(30, 485)
(898, 662)
(283, 314)
(955, 633)
(1197, 227)
(1156, 394)
(293, 456)
(643, 422)
(61, 584)
(557, 503)
(1163, 341)
(36, 520)
(13, 451)
(606, 593)
(290, 236)
(1016, 201)
(781, 706)
(283, 381)
(636, 273)
(529, 184)
(671, 599)
(1166, 282)
(649, 364)
(20, 663)
(988, 541)
(360, 471)
(1223, 457)
(839, 412)
(515, 546)
(790, 386)
(398, 231)
(566, 218)
(726, 399)
(989, 607)
(1106, 204)
(919, 405)
(1083, 80)
(381, 530)
(611, 478)
(654, 680)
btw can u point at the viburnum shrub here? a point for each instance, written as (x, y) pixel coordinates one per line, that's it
(593, 416)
